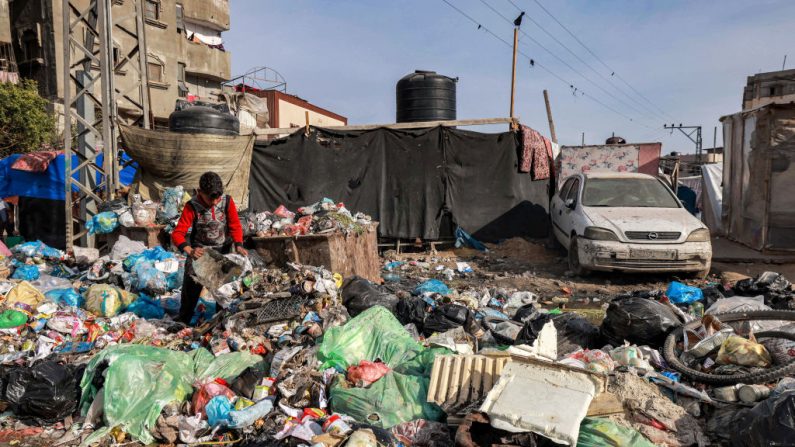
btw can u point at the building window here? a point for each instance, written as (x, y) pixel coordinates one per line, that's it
(180, 19)
(182, 87)
(155, 69)
(152, 9)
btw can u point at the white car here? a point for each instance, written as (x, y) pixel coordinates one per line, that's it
(627, 222)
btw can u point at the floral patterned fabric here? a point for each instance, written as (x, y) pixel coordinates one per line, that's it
(581, 159)
(536, 154)
(34, 161)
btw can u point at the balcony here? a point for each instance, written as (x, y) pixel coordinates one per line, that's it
(210, 13)
(207, 62)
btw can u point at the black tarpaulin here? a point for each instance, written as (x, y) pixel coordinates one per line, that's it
(407, 180)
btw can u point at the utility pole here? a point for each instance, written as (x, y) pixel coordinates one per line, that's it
(516, 24)
(549, 117)
(693, 130)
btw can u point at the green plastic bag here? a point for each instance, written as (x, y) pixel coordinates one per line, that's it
(599, 432)
(141, 380)
(373, 334)
(11, 318)
(400, 395)
(392, 400)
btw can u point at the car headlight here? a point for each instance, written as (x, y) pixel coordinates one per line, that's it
(600, 234)
(700, 235)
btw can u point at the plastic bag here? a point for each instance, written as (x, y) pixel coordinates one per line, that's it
(740, 351)
(152, 254)
(432, 286)
(46, 391)
(171, 204)
(464, 239)
(591, 359)
(204, 311)
(600, 432)
(141, 380)
(146, 307)
(38, 249)
(247, 416)
(217, 410)
(366, 372)
(26, 272)
(24, 296)
(104, 300)
(373, 334)
(208, 390)
(768, 423)
(738, 304)
(85, 256)
(679, 293)
(103, 223)
(149, 279)
(45, 283)
(392, 400)
(449, 316)
(640, 321)
(518, 300)
(65, 297)
(11, 318)
(359, 294)
(575, 332)
(124, 247)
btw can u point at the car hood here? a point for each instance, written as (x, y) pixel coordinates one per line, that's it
(620, 219)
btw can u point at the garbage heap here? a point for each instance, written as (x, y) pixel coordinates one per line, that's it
(91, 354)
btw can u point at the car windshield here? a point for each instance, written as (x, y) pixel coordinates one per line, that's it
(627, 192)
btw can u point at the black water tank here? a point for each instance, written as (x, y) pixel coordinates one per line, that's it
(615, 140)
(425, 96)
(201, 119)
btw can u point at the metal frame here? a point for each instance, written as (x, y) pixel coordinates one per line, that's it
(89, 85)
(697, 141)
(262, 78)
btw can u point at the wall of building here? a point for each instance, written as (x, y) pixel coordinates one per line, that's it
(767, 88)
(5, 22)
(294, 115)
(167, 47)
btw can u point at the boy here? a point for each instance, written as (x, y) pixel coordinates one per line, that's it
(216, 224)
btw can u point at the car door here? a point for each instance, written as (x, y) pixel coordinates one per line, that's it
(567, 215)
(557, 209)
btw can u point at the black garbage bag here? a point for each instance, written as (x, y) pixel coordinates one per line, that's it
(774, 286)
(640, 321)
(446, 317)
(531, 329)
(575, 332)
(412, 310)
(770, 422)
(47, 391)
(526, 313)
(359, 294)
(711, 295)
(246, 382)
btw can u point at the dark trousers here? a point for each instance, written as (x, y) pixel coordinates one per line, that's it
(191, 289)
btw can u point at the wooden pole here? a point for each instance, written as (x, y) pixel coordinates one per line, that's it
(549, 117)
(306, 115)
(513, 69)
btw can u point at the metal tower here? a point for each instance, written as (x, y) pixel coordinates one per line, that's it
(93, 56)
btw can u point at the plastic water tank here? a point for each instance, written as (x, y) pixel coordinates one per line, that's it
(201, 119)
(426, 96)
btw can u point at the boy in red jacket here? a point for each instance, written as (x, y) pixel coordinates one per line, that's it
(216, 224)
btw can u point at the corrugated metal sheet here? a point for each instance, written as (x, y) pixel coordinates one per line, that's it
(458, 380)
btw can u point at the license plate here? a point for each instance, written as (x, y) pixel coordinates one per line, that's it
(652, 254)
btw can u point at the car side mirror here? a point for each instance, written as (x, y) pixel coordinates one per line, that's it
(569, 204)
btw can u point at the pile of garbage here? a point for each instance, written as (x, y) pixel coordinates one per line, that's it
(139, 212)
(321, 217)
(91, 353)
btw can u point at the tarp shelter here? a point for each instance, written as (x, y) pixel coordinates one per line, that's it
(712, 196)
(416, 183)
(759, 177)
(636, 157)
(173, 159)
(41, 208)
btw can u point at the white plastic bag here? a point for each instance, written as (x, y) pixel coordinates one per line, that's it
(124, 247)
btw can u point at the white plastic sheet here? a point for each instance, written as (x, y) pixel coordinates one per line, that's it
(712, 196)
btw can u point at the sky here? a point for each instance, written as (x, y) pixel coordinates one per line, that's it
(672, 61)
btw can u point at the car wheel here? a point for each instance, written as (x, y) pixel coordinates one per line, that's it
(574, 259)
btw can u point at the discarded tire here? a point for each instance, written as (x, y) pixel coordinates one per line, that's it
(769, 375)
(200, 119)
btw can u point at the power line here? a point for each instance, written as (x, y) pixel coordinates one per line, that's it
(537, 64)
(562, 61)
(612, 71)
(576, 56)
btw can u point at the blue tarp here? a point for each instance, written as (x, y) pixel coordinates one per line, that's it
(48, 184)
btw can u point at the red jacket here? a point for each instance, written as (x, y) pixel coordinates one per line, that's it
(179, 235)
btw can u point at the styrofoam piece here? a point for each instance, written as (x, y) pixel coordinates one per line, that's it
(543, 398)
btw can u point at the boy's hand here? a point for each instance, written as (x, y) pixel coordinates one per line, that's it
(241, 251)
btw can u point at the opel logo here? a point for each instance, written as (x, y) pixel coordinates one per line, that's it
(652, 235)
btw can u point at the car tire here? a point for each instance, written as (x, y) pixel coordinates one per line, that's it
(574, 259)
